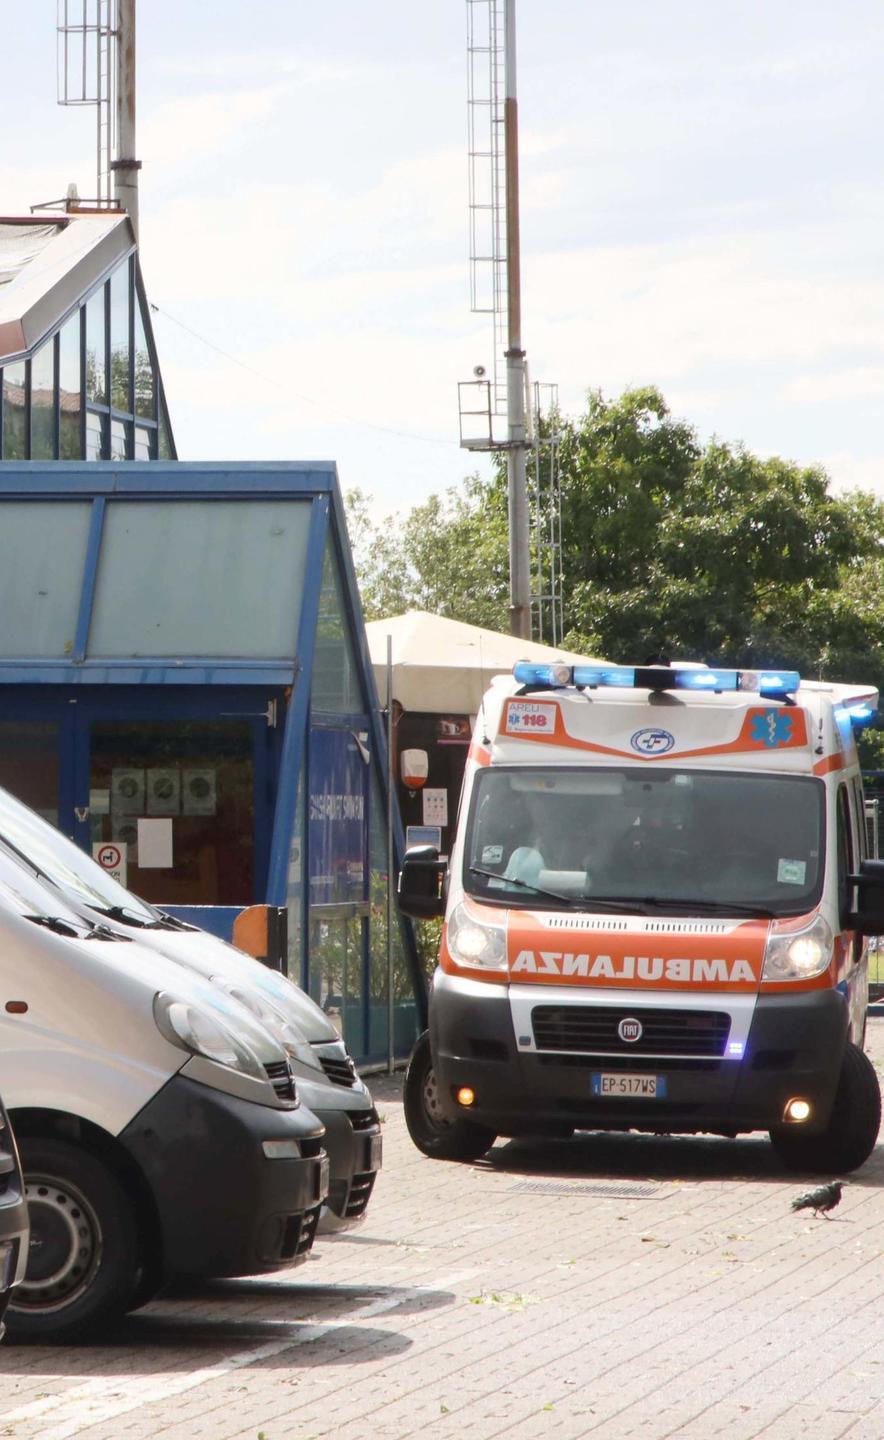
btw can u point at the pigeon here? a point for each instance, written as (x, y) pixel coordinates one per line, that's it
(826, 1197)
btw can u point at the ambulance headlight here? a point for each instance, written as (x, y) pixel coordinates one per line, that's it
(474, 945)
(798, 954)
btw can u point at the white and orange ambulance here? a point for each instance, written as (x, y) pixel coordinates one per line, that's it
(654, 915)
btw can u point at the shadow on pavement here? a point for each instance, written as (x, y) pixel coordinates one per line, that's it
(603, 1156)
(208, 1323)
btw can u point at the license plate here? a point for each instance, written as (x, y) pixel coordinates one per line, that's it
(644, 1087)
(375, 1152)
(322, 1175)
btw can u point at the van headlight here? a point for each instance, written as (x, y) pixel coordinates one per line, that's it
(281, 1028)
(474, 945)
(200, 1033)
(798, 954)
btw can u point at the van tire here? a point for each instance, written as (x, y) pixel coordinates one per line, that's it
(83, 1262)
(430, 1129)
(853, 1125)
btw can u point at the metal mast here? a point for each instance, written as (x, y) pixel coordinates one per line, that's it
(96, 66)
(494, 236)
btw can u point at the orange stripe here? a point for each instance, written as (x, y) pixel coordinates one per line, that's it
(831, 762)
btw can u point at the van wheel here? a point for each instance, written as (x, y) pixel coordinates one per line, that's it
(428, 1125)
(83, 1257)
(853, 1127)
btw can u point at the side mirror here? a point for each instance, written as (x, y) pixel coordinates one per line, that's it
(868, 917)
(420, 883)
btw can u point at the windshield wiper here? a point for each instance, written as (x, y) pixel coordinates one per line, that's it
(574, 901)
(128, 917)
(60, 926)
(706, 907)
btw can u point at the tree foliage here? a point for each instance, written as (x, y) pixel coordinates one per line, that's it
(668, 545)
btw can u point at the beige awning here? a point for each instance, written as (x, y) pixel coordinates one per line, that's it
(443, 667)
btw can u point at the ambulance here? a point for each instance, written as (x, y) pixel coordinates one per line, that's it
(655, 916)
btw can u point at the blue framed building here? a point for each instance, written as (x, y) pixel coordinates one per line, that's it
(185, 689)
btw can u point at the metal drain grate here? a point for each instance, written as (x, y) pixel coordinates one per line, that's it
(604, 1192)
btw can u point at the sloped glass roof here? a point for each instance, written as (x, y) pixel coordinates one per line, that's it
(20, 244)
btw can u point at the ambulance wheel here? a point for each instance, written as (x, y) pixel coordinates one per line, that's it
(428, 1125)
(853, 1126)
(83, 1256)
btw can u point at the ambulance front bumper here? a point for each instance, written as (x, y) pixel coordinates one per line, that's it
(793, 1049)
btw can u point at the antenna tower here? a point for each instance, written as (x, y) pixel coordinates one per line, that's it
(495, 289)
(96, 66)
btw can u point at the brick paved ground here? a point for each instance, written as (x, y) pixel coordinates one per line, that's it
(481, 1300)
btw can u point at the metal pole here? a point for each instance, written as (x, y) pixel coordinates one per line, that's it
(124, 165)
(517, 486)
(390, 1046)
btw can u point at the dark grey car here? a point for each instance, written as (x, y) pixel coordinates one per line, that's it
(13, 1216)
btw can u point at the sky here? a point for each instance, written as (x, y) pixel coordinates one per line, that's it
(702, 202)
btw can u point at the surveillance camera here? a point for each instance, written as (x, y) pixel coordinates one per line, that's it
(479, 372)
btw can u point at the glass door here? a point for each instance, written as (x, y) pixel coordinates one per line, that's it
(176, 796)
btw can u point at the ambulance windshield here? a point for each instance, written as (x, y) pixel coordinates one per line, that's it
(699, 841)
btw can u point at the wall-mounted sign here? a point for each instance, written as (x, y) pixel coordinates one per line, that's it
(435, 807)
(112, 857)
(198, 792)
(127, 792)
(163, 792)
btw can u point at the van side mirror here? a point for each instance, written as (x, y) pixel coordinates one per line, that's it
(420, 883)
(868, 917)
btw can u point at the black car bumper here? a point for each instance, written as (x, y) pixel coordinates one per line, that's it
(794, 1050)
(353, 1142)
(13, 1217)
(223, 1207)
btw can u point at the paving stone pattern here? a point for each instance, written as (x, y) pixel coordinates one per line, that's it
(522, 1296)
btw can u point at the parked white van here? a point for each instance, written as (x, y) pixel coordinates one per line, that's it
(324, 1071)
(159, 1126)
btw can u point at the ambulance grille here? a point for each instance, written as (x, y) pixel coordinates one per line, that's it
(593, 1029)
(637, 925)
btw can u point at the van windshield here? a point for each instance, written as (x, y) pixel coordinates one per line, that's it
(64, 863)
(701, 842)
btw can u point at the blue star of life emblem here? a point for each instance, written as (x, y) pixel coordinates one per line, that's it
(771, 728)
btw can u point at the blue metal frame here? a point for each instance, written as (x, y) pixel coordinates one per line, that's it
(66, 676)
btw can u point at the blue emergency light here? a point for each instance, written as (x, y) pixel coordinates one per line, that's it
(860, 714)
(768, 684)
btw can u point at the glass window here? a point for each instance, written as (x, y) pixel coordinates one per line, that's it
(119, 439)
(42, 553)
(165, 438)
(144, 440)
(200, 577)
(405, 1017)
(197, 774)
(43, 403)
(96, 436)
(96, 350)
(121, 391)
(295, 894)
(69, 390)
(647, 842)
(14, 432)
(335, 685)
(29, 766)
(145, 381)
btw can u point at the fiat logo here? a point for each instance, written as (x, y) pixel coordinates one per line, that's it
(630, 1030)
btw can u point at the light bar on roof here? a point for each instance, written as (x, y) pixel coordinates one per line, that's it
(769, 684)
(861, 713)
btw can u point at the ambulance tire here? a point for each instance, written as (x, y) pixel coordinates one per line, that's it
(430, 1129)
(83, 1265)
(853, 1126)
